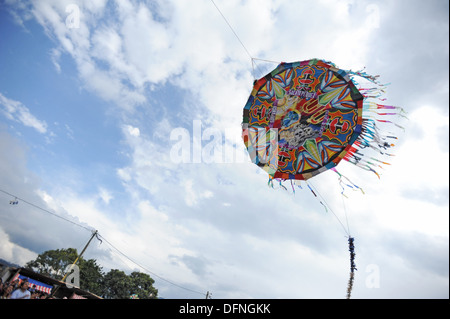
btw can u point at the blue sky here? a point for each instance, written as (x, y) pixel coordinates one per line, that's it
(58, 102)
(91, 109)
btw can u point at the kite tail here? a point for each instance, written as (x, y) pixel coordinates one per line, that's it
(351, 248)
(350, 285)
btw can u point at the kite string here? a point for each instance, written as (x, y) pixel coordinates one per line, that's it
(242, 44)
(270, 61)
(231, 28)
(350, 239)
(345, 212)
(315, 192)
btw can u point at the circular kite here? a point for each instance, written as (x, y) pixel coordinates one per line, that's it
(303, 118)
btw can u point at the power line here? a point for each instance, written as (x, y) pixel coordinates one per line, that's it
(99, 235)
(47, 211)
(137, 264)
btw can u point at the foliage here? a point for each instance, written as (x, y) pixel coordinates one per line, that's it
(53, 263)
(113, 285)
(118, 285)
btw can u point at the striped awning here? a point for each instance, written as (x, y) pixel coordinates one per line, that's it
(40, 286)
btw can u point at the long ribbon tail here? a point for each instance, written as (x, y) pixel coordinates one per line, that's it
(351, 248)
(350, 285)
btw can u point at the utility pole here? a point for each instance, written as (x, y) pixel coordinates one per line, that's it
(82, 252)
(94, 234)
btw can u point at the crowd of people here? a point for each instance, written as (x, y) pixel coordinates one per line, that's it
(20, 290)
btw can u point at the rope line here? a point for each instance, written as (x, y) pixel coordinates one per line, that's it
(346, 217)
(326, 204)
(229, 25)
(242, 44)
(270, 61)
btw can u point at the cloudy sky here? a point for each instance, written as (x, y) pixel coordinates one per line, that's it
(125, 117)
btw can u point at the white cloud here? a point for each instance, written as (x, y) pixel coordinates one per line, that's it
(192, 195)
(105, 195)
(218, 224)
(13, 252)
(133, 131)
(16, 111)
(30, 229)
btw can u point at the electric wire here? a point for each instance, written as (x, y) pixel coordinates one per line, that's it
(47, 211)
(147, 270)
(99, 235)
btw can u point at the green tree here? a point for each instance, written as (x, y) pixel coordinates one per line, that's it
(113, 285)
(118, 285)
(91, 276)
(142, 285)
(53, 263)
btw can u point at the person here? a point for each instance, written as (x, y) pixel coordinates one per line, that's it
(22, 292)
(35, 294)
(15, 284)
(7, 292)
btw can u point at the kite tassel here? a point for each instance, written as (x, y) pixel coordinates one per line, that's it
(270, 182)
(315, 195)
(349, 183)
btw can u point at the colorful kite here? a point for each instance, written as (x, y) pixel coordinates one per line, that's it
(303, 118)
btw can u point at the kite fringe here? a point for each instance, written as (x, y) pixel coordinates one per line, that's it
(374, 113)
(270, 183)
(349, 183)
(315, 195)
